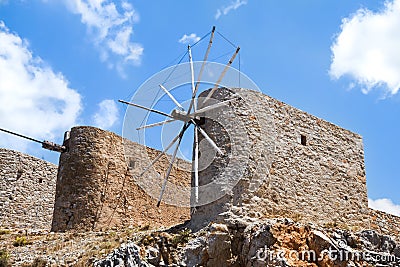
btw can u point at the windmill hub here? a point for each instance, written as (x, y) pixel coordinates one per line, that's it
(200, 120)
(183, 116)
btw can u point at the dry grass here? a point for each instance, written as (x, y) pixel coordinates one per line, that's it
(78, 249)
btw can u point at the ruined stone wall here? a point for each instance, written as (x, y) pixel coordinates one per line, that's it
(96, 189)
(385, 223)
(27, 187)
(322, 180)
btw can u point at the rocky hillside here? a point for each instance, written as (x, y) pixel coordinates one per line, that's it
(276, 242)
(232, 242)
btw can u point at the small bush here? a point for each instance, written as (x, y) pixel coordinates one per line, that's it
(4, 256)
(182, 237)
(21, 241)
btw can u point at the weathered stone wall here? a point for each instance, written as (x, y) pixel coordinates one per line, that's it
(96, 189)
(325, 179)
(27, 187)
(322, 180)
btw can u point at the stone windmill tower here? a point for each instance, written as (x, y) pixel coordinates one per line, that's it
(287, 163)
(256, 156)
(253, 156)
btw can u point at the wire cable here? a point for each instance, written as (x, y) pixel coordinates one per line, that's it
(226, 39)
(224, 55)
(201, 39)
(240, 72)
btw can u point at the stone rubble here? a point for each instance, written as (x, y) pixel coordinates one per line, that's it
(127, 255)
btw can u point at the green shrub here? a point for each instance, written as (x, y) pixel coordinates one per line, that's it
(182, 237)
(4, 256)
(21, 241)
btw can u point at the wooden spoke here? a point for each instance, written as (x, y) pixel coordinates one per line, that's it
(146, 108)
(210, 94)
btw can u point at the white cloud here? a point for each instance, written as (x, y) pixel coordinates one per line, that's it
(34, 100)
(367, 48)
(107, 114)
(385, 205)
(232, 6)
(111, 27)
(189, 39)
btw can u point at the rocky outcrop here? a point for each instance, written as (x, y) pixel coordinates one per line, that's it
(126, 255)
(272, 242)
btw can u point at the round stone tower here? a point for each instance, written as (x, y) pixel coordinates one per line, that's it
(96, 188)
(90, 177)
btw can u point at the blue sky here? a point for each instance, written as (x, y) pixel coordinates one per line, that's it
(65, 62)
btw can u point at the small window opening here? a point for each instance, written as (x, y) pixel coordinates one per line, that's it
(40, 180)
(346, 198)
(132, 164)
(303, 140)
(19, 173)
